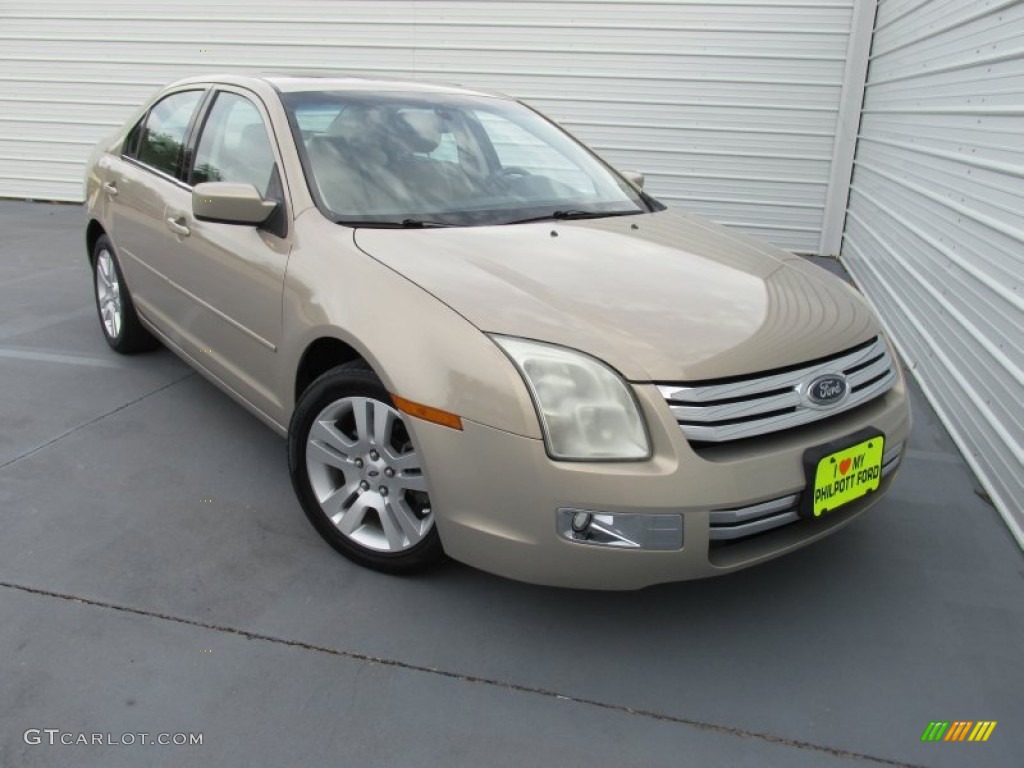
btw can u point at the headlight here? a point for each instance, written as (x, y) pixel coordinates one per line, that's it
(586, 410)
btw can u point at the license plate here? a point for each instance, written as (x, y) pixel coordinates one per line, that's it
(841, 476)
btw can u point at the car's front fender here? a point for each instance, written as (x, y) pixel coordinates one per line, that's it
(421, 348)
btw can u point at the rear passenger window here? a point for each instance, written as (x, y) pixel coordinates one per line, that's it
(131, 143)
(164, 132)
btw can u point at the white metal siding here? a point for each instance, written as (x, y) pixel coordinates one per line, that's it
(935, 228)
(728, 106)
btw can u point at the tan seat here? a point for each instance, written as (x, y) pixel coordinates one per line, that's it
(351, 164)
(340, 184)
(429, 184)
(366, 163)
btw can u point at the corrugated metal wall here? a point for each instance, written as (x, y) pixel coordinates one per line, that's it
(935, 228)
(728, 106)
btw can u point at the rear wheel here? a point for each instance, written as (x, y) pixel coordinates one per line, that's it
(357, 474)
(118, 320)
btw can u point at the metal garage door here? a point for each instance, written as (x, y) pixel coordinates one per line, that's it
(935, 230)
(729, 106)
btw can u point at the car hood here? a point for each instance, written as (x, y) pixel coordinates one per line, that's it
(661, 297)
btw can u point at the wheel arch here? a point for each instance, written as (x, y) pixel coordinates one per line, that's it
(93, 232)
(319, 356)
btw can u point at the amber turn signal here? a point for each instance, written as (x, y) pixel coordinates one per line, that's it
(425, 412)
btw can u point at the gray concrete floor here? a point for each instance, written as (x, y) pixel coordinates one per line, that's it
(129, 603)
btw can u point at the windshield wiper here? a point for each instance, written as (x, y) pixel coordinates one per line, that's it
(573, 213)
(422, 223)
(384, 224)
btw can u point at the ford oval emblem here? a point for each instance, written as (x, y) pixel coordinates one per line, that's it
(827, 390)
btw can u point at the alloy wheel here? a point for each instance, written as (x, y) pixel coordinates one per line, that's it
(366, 475)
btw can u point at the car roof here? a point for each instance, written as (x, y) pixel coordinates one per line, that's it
(288, 82)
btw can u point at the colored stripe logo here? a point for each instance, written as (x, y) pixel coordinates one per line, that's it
(958, 730)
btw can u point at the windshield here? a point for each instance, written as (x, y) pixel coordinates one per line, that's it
(408, 159)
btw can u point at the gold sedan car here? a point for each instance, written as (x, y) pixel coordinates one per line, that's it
(481, 340)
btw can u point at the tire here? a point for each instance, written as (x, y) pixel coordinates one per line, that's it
(119, 322)
(357, 475)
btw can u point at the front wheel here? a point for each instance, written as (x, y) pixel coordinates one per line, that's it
(357, 474)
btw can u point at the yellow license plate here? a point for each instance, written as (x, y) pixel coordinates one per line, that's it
(846, 475)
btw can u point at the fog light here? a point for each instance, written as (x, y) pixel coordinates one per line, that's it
(627, 530)
(581, 521)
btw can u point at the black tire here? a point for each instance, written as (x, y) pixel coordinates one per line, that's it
(337, 388)
(127, 336)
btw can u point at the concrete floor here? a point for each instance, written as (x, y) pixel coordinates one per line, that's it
(156, 575)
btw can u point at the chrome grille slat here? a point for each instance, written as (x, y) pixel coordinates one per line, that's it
(740, 522)
(869, 392)
(701, 393)
(891, 459)
(755, 526)
(789, 399)
(873, 370)
(775, 402)
(740, 514)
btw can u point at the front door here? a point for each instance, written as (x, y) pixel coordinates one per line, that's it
(233, 275)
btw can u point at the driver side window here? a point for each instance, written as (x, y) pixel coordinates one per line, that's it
(235, 146)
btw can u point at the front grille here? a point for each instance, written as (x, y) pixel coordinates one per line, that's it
(741, 522)
(734, 409)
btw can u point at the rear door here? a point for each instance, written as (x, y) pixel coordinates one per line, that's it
(232, 276)
(137, 186)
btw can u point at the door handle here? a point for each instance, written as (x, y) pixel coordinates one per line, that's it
(111, 189)
(178, 227)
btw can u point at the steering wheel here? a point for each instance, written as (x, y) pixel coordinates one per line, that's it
(499, 180)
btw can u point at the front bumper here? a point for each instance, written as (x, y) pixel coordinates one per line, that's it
(496, 496)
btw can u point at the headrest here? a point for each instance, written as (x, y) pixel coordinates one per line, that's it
(419, 130)
(355, 123)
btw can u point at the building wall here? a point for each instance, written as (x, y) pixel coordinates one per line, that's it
(935, 228)
(729, 106)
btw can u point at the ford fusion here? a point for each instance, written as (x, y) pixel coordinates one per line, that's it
(480, 340)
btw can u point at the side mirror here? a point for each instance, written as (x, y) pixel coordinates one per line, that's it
(633, 177)
(226, 202)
